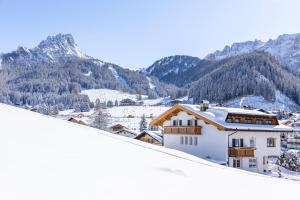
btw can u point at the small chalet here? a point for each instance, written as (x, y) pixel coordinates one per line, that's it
(127, 102)
(152, 137)
(117, 127)
(127, 133)
(242, 138)
(76, 120)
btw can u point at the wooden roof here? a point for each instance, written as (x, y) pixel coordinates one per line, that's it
(178, 108)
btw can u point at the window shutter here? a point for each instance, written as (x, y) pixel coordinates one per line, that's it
(241, 142)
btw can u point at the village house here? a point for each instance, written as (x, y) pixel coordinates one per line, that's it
(117, 127)
(127, 102)
(127, 133)
(241, 138)
(76, 120)
(152, 137)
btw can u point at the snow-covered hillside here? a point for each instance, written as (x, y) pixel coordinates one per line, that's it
(105, 95)
(130, 116)
(47, 158)
(281, 102)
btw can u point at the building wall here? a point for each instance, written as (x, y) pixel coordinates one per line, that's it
(261, 149)
(213, 144)
(204, 148)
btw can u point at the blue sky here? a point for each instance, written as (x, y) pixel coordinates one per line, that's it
(135, 33)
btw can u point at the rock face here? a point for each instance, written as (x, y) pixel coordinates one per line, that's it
(285, 48)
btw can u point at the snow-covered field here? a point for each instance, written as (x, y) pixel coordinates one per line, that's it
(46, 158)
(281, 102)
(112, 95)
(120, 114)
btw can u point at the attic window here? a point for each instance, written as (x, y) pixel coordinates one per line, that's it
(229, 120)
(248, 121)
(237, 120)
(269, 122)
(259, 121)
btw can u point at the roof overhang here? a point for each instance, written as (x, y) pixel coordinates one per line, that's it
(178, 108)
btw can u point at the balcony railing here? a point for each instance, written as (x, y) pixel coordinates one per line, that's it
(293, 140)
(192, 130)
(241, 152)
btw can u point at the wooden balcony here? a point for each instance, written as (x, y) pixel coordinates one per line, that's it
(189, 130)
(241, 152)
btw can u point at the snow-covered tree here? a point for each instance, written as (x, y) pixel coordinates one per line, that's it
(143, 123)
(289, 160)
(100, 119)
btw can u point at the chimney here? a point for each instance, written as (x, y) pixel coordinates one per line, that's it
(204, 104)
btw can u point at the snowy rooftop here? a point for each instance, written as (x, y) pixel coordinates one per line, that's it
(47, 158)
(219, 114)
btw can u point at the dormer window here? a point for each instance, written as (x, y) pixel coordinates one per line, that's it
(237, 120)
(229, 120)
(248, 121)
(259, 121)
(269, 122)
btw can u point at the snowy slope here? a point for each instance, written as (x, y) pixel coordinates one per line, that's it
(112, 95)
(47, 158)
(281, 102)
(119, 114)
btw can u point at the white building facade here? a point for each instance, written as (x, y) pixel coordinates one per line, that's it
(245, 139)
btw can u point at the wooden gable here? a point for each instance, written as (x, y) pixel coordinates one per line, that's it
(178, 108)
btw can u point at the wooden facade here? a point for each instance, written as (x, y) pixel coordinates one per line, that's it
(251, 119)
(241, 152)
(76, 121)
(178, 108)
(145, 137)
(189, 130)
(117, 127)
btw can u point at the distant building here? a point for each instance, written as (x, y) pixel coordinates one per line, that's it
(127, 102)
(117, 127)
(76, 120)
(152, 137)
(242, 138)
(127, 133)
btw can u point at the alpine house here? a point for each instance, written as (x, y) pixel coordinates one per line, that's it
(240, 138)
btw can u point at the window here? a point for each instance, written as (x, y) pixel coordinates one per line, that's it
(186, 140)
(237, 120)
(189, 122)
(180, 122)
(195, 140)
(259, 121)
(252, 163)
(252, 142)
(236, 163)
(271, 142)
(269, 122)
(238, 142)
(174, 122)
(248, 121)
(191, 140)
(229, 120)
(196, 122)
(181, 139)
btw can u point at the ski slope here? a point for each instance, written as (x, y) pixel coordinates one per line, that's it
(48, 158)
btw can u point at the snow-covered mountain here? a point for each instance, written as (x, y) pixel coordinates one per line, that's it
(285, 48)
(172, 69)
(52, 50)
(56, 71)
(56, 159)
